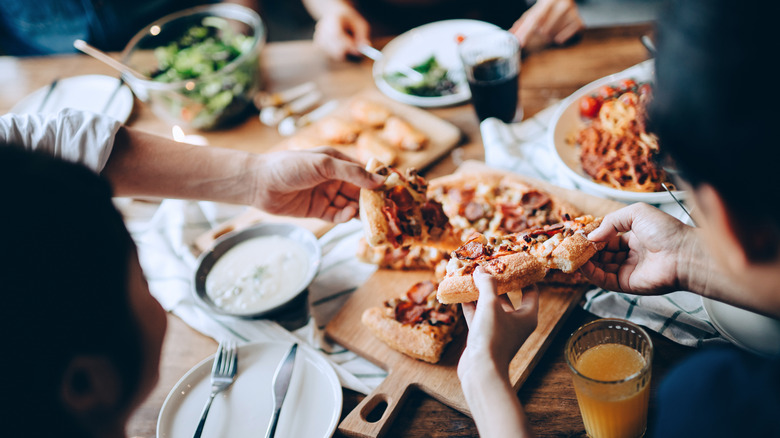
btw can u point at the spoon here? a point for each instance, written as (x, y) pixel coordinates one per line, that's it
(376, 55)
(107, 59)
(272, 115)
(290, 124)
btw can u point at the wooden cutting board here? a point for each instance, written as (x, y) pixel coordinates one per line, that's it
(443, 137)
(440, 381)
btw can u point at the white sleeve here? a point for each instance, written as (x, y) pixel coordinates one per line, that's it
(72, 135)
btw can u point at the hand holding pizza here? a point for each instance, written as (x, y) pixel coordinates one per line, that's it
(646, 251)
(496, 329)
(321, 183)
(496, 332)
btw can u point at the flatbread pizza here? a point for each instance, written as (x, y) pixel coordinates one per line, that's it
(519, 260)
(415, 323)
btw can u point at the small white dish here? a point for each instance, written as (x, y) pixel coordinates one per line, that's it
(86, 93)
(418, 44)
(312, 406)
(567, 120)
(750, 331)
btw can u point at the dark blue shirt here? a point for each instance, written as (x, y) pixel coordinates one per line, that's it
(720, 392)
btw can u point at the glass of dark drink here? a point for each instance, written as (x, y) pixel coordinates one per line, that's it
(491, 62)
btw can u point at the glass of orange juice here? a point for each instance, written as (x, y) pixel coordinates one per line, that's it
(610, 360)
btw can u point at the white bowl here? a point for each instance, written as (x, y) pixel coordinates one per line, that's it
(276, 302)
(750, 331)
(567, 120)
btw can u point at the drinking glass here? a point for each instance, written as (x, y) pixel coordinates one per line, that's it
(491, 61)
(610, 361)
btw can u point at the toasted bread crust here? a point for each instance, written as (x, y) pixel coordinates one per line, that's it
(512, 272)
(375, 226)
(422, 341)
(457, 289)
(575, 250)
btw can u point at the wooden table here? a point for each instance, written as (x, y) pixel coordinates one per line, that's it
(546, 77)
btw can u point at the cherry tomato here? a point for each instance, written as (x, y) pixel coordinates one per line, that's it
(627, 84)
(607, 91)
(590, 106)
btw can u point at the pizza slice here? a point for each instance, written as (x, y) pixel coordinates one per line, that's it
(399, 213)
(415, 323)
(399, 257)
(495, 204)
(519, 260)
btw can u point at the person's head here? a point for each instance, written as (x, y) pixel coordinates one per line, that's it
(716, 113)
(82, 333)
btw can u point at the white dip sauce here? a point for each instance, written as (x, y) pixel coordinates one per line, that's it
(258, 274)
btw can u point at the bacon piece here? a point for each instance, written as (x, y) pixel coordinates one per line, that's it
(461, 196)
(433, 214)
(441, 317)
(514, 220)
(408, 312)
(472, 249)
(549, 230)
(419, 293)
(401, 197)
(534, 200)
(474, 211)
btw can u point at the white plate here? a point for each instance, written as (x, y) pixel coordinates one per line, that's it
(750, 331)
(416, 45)
(311, 408)
(88, 93)
(567, 120)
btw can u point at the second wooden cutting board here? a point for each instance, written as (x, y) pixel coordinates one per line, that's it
(440, 380)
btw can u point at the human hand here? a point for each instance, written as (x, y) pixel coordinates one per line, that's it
(321, 183)
(496, 329)
(546, 22)
(340, 31)
(647, 258)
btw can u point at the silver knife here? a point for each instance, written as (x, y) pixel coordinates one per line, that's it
(281, 384)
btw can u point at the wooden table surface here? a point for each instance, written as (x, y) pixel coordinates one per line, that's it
(546, 77)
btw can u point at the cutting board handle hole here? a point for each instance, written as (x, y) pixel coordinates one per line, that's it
(374, 410)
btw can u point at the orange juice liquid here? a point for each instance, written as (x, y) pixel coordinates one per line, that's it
(616, 410)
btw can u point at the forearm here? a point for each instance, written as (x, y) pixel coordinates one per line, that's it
(142, 164)
(493, 403)
(699, 272)
(318, 8)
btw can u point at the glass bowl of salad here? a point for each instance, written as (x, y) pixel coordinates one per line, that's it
(201, 65)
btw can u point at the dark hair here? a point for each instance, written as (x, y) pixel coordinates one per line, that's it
(715, 108)
(63, 274)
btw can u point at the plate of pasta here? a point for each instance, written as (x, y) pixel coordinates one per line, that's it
(599, 136)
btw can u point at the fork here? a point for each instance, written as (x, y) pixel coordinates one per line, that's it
(223, 373)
